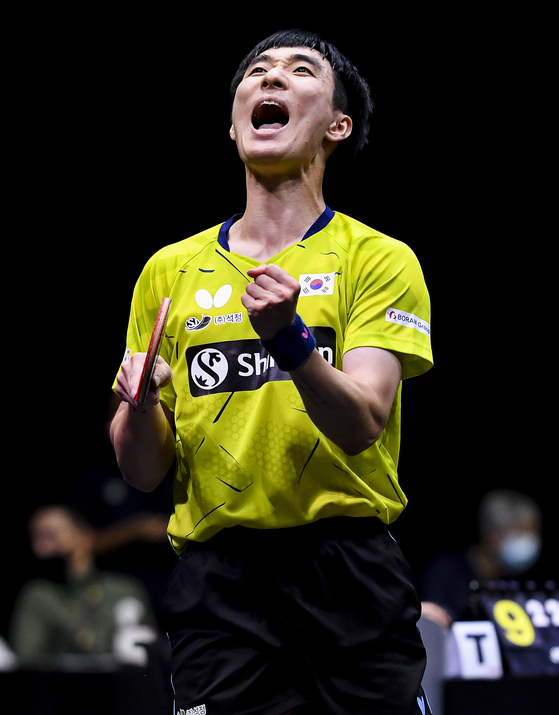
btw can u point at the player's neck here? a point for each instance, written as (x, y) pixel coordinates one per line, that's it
(277, 215)
(79, 564)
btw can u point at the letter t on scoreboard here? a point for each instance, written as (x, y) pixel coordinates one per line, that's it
(478, 649)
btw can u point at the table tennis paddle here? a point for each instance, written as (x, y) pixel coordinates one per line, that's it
(153, 350)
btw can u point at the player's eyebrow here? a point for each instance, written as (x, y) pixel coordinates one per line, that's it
(296, 57)
(261, 58)
(306, 58)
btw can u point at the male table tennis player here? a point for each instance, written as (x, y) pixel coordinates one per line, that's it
(277, 396)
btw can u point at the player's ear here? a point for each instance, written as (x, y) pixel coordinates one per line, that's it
(340, 128)
(232, 133)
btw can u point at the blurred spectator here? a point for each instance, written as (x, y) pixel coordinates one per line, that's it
(508, 546)
(77, 609)
(130, 526)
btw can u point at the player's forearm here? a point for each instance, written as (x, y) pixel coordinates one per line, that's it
(144, 445)
(347, 410)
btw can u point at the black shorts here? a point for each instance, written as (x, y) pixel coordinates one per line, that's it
(261, 621)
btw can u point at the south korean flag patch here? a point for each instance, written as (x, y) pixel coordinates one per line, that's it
(317, 284)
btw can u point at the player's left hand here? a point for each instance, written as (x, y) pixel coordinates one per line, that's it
(271, 300)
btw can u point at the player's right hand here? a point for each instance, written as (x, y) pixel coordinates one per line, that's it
(128, 379)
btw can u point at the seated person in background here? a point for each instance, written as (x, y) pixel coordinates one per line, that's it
(508, 546)
(80, 612)
(130, 526)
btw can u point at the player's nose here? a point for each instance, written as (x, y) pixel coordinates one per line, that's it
(274, 77)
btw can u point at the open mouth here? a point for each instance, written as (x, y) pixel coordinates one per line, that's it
(269, 115)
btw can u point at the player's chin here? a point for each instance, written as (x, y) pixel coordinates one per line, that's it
(266, 150)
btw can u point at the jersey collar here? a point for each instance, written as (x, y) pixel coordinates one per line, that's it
(321, 222)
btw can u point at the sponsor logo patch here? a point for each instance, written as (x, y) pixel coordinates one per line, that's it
(240, 365)
(197, 710)
(408, 320)
(195, 324)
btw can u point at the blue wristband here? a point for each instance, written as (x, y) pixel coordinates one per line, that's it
(292, 347)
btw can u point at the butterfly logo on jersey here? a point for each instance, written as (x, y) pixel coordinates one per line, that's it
(206, 300)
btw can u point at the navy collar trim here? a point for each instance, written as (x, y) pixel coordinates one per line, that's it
(321, 222)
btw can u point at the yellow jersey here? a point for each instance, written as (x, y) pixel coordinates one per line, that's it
(247, 453)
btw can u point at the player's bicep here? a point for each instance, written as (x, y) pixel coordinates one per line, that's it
(378, 372)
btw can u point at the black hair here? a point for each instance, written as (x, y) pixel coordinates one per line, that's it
(351, 92)
(501, 509)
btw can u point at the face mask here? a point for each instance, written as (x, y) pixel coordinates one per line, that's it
(519, 552)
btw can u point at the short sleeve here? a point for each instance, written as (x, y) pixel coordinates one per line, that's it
(389, 304)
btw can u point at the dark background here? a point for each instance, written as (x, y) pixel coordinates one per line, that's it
(121, 146)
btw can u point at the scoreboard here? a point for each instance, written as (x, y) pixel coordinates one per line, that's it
(527, 625)
(516, 633)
